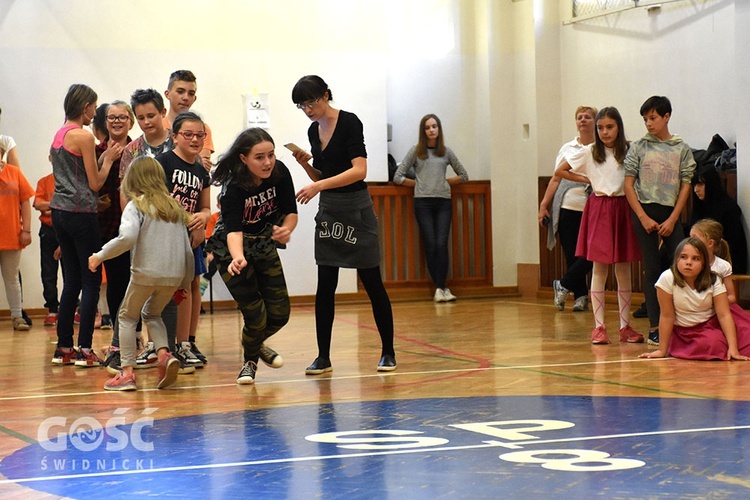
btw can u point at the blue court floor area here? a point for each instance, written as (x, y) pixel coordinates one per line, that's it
(478, 447)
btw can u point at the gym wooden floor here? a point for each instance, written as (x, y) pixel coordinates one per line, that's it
(481, 386)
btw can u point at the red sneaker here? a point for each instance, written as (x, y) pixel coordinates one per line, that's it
(599, 336)
(64, 357)
(51, 319)
(121, 382)
(87, 360)
(627, 334)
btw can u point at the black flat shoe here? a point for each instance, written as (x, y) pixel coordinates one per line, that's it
(387, 363)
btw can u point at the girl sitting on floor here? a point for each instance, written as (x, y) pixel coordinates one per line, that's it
(695, 321)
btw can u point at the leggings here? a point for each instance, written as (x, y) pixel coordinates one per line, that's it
(328, 278)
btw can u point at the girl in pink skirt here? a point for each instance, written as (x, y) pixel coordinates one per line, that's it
(606, 236)
(695, 321)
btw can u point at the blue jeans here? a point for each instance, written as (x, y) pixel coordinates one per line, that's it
(78, 236)
(434, 219)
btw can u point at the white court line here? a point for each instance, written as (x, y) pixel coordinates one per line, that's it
(346, 377)
(485, 444)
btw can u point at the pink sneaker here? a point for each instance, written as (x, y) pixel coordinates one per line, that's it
(168, 367)
(599, 336)
(121, 382)
(627, 334)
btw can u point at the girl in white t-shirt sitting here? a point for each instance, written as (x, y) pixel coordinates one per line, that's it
(695, 320)
(711, 233)
(606, 235)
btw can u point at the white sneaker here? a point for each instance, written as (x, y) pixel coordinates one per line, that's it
(448, 296)
(439, 295)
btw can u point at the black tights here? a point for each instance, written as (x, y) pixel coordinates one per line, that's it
(328, 278)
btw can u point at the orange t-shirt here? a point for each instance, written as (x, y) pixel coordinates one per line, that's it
(14, 190)
(208, 141)
(211, 224)
(45, 188)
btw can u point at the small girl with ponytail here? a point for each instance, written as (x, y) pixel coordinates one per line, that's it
(711, 233)
(154, 228)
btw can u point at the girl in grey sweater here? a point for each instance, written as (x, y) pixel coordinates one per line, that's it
(153, 228)
(433, 207)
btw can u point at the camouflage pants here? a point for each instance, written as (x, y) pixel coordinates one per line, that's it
(259, 290)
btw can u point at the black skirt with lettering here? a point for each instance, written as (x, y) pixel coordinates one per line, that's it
(346, 231)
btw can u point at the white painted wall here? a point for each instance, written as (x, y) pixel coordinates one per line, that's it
(504, 76)
(234, 47)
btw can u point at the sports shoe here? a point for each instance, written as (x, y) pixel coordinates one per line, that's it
(121, 382)
(147, 358)
(387, 363)
(439, 295)
(51, 319)
(320, 365)
(448, 296)
(185, 368)
(187, 353)
(168, 367)
(271, 357)
(641, 312)
(581, 304)
(599, 336)
(627, 334)
(561, 295)
(247, 374)
(112, 361)
(198, 354)
(77, 318)
(20, 325)
(64, 357)
(653, 337)
(87, 359)
(26, 318)
(106, 322)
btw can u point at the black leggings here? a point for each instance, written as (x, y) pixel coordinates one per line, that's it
(325, 306)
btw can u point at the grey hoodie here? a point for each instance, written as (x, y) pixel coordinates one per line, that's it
(161, 253)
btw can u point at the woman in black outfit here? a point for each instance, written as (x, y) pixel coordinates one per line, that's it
(346, 229)
(711, 201)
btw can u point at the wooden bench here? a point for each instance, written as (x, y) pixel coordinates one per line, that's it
(739, 280)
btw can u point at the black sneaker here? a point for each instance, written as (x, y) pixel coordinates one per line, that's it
(271, 357)
(387, 363)
(653, 337)
(185, 368)
(112, 361)
(197, 353)
(187, 354)
(247, 374)
(147, 358)
(641, 312)
(106, 322)
(320, 365)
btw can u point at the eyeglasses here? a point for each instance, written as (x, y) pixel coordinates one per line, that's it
(190, 135)
(307, 105)
(118, 118)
